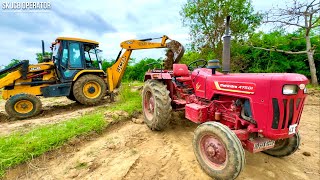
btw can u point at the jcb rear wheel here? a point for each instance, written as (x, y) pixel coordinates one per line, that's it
(23, 106)
(71, 97)
(89, 89)
(218, 150)
(285, 147)
(156, 105)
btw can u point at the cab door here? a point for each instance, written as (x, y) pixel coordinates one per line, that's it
(71, 61)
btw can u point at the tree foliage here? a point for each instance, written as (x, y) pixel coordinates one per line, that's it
(12, 63)
(137, 71)
(205, 19)
(134, 71)
(276, 51)
(40, 56)
(304, 15)
(246, 58)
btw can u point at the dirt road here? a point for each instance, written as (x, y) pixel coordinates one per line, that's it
(129, 150)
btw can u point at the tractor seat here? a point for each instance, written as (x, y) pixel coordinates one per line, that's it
(181, 72)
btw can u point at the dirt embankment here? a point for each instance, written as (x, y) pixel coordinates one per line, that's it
(54, 110)
(129, 150)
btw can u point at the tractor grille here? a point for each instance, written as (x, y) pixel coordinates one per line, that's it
(286, 112)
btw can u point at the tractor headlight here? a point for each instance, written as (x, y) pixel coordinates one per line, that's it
(290, 89)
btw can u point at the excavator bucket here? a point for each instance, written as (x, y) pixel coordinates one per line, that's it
(174, 54)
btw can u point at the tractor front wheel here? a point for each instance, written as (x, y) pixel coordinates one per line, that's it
(218, 150)
(285, 147)
(156, 105)
(89, 89)
(23, 106)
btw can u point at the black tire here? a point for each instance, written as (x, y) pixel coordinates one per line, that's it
(23, 106)
(218, 150)
(285, 147)
(158, 116)
(72, 98)
(89, 96)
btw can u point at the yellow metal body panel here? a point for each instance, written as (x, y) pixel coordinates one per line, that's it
(35, 90)
(110, 79)
(15, 78)
(87, 71)
(136, 44)
(116, 71)
(78, 39)
(10, 78)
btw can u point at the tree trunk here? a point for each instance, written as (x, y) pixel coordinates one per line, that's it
(312, 66)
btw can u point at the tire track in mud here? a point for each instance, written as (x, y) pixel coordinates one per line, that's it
(127, 151)
(130, 150)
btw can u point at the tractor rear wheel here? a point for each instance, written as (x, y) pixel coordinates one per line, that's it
(156, 105)
(23, 106)
(89, 89)
(218, 150)
(285, 147)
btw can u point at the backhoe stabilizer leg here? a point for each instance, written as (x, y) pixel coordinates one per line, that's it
(112, 97)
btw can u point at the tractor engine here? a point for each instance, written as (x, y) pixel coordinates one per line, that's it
(226, 109)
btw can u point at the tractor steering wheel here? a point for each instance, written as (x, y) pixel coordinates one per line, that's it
(201, 63)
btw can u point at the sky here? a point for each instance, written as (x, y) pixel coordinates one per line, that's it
(108, 22)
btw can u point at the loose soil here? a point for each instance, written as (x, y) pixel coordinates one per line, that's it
(129, 150)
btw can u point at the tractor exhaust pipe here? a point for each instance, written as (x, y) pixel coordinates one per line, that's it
(42, 42)
(226, 48)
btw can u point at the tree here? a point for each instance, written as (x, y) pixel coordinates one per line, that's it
(12, 63)
(304, 15)
(137, 70)
(205, 18)
(259, 60)
(40, 56)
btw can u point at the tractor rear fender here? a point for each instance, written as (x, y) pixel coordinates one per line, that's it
(165, 78)
(159, 76)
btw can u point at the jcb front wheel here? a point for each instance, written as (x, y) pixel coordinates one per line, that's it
(218, 150)
(89, 89)
(23, 106)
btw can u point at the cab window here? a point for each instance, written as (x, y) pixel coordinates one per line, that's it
(64, 59)
(90, 56)
(75, 55)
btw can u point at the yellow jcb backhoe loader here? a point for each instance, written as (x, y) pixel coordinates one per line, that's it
(74, 70)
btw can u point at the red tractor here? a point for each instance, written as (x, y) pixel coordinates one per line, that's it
(236, 111)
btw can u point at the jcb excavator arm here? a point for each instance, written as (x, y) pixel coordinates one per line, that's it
(116, 71)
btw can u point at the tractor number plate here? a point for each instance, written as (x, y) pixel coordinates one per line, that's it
(264, 145)
(292, 129)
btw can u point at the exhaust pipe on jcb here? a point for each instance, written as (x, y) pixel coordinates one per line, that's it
(226, 48)
(43, 52)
